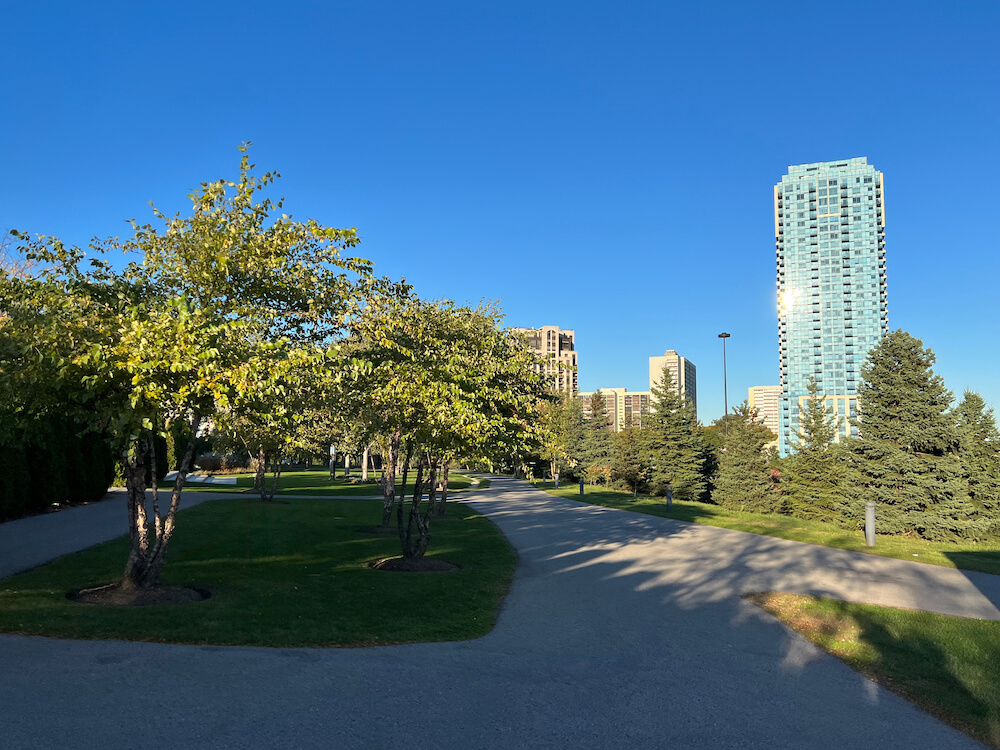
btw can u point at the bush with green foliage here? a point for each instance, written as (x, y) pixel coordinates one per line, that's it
(54, 464)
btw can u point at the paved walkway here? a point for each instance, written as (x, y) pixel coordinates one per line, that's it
(621, 630)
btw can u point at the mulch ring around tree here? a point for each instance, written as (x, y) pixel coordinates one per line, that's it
(423, 565)
(113, 595)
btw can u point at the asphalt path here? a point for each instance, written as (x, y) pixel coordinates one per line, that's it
(621, 630)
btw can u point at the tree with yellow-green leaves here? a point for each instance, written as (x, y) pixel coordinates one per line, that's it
(211, 316)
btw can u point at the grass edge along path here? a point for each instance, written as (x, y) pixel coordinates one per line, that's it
(289, 574)
(983, 557)
(948, 666)
(294, 483)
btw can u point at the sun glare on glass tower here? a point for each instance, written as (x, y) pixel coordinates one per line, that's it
(829, 227)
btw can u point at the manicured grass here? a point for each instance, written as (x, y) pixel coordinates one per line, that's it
(949, 666)
(316, 483)
(291, 574)
(984, 556)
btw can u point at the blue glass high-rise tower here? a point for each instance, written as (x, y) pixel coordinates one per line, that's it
(829, 226)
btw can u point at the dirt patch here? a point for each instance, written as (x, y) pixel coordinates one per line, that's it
(114, 596)
(423, 565)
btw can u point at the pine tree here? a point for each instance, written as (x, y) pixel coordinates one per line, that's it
(743, 481)
(598, 440)
(979, 446)
(814, 477)
(906, 456)
(674, 443)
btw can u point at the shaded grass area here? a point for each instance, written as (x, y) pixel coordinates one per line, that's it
(949, 666)
(292, 574)
(316, 483)
(984, 556)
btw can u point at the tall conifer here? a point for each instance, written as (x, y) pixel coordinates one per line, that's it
(743, 481)
(979, 445)
(815, 475)
(907, 452)
(674, 443)
(598, 440)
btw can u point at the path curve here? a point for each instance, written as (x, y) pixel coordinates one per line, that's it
(621, 630)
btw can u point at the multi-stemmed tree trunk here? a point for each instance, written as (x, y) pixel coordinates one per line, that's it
(434, 462)
(389, 479)
(260, 479)
(150, 536)
(415, 536)
(445, 468)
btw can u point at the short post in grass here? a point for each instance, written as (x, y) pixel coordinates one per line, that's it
(670, 496)
(870, 524)
(555, 477)
(581, 486)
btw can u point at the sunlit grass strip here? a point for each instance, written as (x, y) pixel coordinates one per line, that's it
(949, 666)
(984, 556)
(316, 483)
(289, 574)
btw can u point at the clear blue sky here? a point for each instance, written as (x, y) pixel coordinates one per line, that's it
(606, 167)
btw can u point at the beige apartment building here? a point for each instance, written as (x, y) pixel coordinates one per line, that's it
(556, 350)
(622, 406)
(682, 371)
(766, 399)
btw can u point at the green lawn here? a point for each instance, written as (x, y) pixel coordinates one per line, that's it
(317, 483)
(291, 574)
(949, 666)
(984, 556)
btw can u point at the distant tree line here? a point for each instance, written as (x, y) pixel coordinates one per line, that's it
(933, 469)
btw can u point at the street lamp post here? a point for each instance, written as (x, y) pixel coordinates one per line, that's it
(725, 384)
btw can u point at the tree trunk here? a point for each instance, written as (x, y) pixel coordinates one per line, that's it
(364, 465)
(333, 462)
(414, 546)
(406, 470)
(275, 476)
(389, 480)
(135, 485)
(445, 469)
(147, 556)
(259, 480)
(432, 486)
(406, 534)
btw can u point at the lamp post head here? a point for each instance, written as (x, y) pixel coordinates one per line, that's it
(723, 335)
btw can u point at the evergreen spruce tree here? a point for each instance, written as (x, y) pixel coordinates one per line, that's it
(575, 432)
(979, 446)
(628, 464)
(598, 441)
(674, 443)
(814, 477)
(906, 456)
(743, 481)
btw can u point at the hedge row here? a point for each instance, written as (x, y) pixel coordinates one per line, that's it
(55, 467)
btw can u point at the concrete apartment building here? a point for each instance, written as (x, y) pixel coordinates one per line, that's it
(766, 399)
(622, 406)
(556, 349)
(682, 371)
(829, 228)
